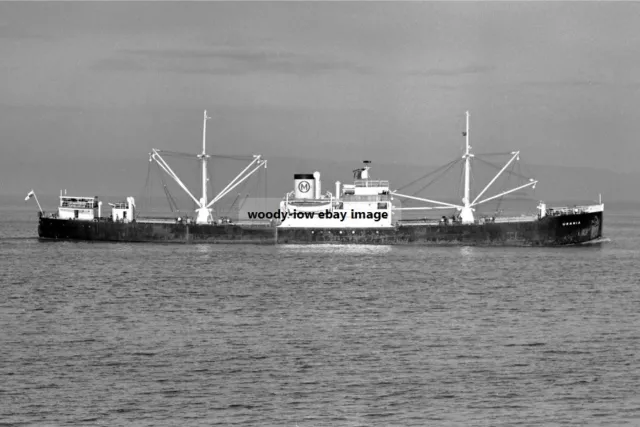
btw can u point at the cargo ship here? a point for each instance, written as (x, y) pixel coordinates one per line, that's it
(364, 212)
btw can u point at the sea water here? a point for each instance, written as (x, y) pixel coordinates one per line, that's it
(114, 334)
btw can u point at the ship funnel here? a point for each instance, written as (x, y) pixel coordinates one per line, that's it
(337, 190)
(304, 186)
(362, 173)
(365, 170)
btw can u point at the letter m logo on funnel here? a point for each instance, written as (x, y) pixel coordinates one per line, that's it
(304, 186)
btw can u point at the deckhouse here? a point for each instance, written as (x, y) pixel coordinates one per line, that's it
(80, 208)
(364, 204)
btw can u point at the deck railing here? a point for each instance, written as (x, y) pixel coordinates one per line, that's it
(371, 183)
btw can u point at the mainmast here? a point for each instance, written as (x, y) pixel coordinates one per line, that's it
(467, 207)
(466, 214)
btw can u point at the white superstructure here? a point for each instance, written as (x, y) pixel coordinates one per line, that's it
(80, 208)
(90, 209)
(364, 204)
(124, 211)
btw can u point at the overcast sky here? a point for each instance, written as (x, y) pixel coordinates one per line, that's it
(102, 83)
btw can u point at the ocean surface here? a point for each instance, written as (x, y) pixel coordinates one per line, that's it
(194, 335)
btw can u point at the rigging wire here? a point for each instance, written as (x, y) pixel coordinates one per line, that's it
(450, 165)
(145, 193)
(172, 203)
(243, 201)
(516, 173)
(461, 182)
(505, 153)
(198, 175)
(507, 171)
(526, 171)
(504, 186)
(178, 154)
(230, 157)
(254, 187)
(211, 183)
(472, 180)
(240, 189)
(520, 168)
(428, 174)
(195, 156)
(228, 212)
(266, 189)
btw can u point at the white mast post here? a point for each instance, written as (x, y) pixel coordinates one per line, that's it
(466, 165)
(204, 158)
(466, 214)
(204, 213)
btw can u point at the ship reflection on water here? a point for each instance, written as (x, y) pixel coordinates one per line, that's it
(329, 248)
(467, 252)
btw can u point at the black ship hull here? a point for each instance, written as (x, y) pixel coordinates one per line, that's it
(160, 232)
(549, 231)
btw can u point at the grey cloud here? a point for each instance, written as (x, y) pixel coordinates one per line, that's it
(564, 83)
(14, 32)
(455, 71)
(224, 60)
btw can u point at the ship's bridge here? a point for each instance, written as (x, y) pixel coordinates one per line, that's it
(371, 183)
(364, 188)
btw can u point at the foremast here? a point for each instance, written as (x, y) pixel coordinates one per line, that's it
(204, 210)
